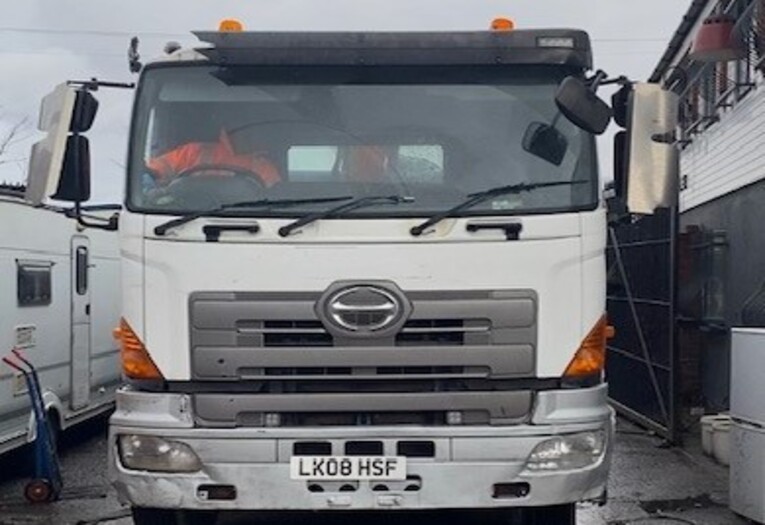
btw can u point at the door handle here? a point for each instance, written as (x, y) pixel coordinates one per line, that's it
(212, 231)
(512, 229)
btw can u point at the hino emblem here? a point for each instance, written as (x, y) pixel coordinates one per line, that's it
(364, 309)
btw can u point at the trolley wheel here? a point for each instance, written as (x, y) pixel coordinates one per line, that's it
(39, 491)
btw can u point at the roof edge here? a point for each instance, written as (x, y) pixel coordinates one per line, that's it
(683, 31)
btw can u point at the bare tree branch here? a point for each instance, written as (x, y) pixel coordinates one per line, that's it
(10, 161)
(11, 136)
(16, 133)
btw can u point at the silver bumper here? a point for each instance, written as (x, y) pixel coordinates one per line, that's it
(467, 464)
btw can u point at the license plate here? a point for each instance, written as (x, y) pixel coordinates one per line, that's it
(348, 468)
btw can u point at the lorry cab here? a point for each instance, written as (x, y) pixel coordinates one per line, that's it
(364, 271)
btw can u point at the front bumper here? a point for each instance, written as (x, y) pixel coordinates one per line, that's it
(467, 463)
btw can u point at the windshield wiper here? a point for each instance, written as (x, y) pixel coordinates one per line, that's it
(355, 204)
(474, 199)
(163, 228)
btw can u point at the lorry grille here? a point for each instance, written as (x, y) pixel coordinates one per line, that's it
(312, 333)
(448, 343)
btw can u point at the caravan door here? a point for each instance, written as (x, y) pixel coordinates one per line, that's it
(80, 353)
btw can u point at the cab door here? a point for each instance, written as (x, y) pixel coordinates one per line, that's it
(81, 326)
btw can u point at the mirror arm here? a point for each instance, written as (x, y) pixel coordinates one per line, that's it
(112, 224)
(622, 81)
(134, 57)
(597, 80)
(94, 84)
(600, 78)
(617, 211)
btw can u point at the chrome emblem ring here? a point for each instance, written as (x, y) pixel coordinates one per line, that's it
(364, 309)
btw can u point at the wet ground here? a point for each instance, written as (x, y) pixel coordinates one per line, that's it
(650, 484)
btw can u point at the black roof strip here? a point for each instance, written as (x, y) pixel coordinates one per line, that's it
(402, 48)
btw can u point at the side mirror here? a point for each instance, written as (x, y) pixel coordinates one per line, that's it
(47, 156)
(582, 106)
(621, 154)
(545, 142)
(651, 160)
(85, 109)
(74, 183)
(59, 165)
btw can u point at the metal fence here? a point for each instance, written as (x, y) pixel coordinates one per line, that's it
(642, 357)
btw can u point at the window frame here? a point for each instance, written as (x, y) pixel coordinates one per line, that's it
(588, 156)
(41, 273)
(81, 274)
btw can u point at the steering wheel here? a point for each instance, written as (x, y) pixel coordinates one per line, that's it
(204, 170)
(193, 189)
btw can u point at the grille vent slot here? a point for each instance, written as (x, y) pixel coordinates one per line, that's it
(295, 333)
(418, 332)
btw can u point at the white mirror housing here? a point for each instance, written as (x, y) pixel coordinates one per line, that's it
(47, 157)
(653, 165)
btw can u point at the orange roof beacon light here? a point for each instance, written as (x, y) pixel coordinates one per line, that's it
(502, 24)
(230, 25)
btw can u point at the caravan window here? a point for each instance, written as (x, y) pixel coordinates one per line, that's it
(33, 283)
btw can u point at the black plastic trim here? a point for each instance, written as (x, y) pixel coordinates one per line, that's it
(262, 387)
(385, 48)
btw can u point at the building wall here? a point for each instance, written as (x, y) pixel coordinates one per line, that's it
(722, 197)
(724, 170)
(732, 278)
(722, 191)
(727, 156)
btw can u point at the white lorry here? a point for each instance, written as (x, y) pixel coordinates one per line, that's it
(59, 304)
(366, 271)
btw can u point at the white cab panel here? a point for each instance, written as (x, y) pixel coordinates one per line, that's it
(548, 259)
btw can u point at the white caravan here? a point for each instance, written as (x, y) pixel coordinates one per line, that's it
(366, 271)
(59, 304)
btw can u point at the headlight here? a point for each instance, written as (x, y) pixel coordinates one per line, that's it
(568, 452)
(157, 454)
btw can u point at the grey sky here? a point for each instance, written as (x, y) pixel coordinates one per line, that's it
(44, 42)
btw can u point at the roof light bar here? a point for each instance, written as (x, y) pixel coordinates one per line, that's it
(552, 41)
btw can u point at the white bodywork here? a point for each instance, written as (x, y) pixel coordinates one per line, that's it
(71, 325)
(561, 257)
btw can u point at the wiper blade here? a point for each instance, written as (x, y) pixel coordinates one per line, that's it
(474, 199)
(163, 228)
(361, 202)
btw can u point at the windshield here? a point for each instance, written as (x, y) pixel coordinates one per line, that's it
(204, 137)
